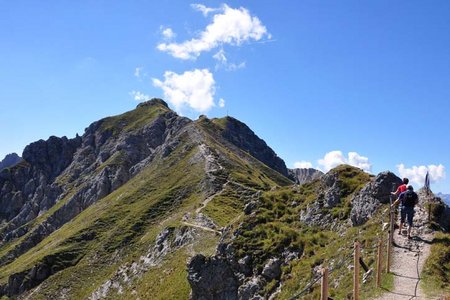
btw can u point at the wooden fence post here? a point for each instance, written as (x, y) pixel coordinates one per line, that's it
(324, 287)
(379, 253)
(356, 272)
(391, 240)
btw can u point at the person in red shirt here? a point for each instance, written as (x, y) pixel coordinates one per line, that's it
(402, 188)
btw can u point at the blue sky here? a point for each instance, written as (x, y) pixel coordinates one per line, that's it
(322, 82)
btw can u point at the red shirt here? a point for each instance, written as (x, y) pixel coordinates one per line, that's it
(401, 189)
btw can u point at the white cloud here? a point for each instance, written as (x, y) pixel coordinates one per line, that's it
(194, 89)
(167, 33)
(138, 96)
(233, 67)
(362, 162)
(137, 72)
(231, 26)
(221, 103)
(220, 57)
(203, 9)
(417, 174)
(303, 165)
(223, 61)
(335, 158)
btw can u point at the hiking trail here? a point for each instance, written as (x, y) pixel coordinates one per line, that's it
(408, 258)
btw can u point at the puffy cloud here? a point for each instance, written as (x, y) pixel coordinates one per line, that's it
(203, 9)
(194, 89)
(302, 165)
(167, 33)
(231, 26)
(221, 103)
(335, 158)
(138, 96)
(362, 162)
(416, 174)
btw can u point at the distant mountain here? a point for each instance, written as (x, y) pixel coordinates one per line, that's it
(10, 160)
(445, 197)
(304, 175)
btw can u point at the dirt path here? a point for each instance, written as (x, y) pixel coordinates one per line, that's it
(409, 257)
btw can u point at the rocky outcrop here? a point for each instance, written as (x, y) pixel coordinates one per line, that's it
(223, 276)
(167, 241)
(434, 206)
(99, 162)
(304, 175)
(328, 197)
(212, 278)
(243, 137)
(28, 189)
(365, 203)
(10, 160)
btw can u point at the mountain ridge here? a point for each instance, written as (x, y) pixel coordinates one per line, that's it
(148, 204)
(77, 173)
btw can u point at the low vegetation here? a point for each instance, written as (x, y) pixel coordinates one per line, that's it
(436, 271)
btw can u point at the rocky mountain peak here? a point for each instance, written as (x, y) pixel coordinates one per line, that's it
(152, 102)
(10, 160)
(239, 134)
(304, 175)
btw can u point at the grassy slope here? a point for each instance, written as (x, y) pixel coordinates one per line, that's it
(436, 273)
(125, 122)
(276, 228)
(119, 228)
(127, 217)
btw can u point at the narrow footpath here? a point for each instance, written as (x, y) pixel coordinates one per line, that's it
(409, 256)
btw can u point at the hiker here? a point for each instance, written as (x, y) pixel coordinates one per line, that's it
(401, 188)
(397, 193)
(408, 200)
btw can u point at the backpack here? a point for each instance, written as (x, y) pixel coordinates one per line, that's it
(410, 199)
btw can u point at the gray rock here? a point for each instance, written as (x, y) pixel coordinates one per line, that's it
(243, 137)
(249, 207)
(10, 160)
(272, 269)
(304, 175)
(365, 203)
(212, 278)
(250, 288)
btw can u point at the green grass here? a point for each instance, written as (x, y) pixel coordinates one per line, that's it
(436, 272)
(224, 208)
(276, 228)
(133, 119)
(121, 227)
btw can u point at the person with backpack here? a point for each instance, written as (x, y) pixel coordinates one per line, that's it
(408, 200)
(401, 188)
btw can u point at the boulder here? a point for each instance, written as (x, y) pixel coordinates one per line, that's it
(365, 203)
(212, 278)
